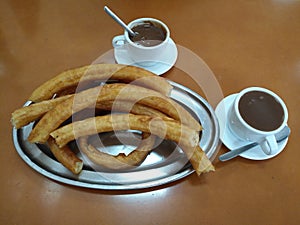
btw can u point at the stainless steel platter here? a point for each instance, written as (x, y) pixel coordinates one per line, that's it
(165, 164)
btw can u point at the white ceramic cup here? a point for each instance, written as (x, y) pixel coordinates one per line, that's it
(244, 131)
(143, 55)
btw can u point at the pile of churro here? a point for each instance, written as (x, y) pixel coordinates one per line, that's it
(128, 97)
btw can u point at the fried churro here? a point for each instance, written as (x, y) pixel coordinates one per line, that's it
(52, 119)
(162, 127)
(100, 72)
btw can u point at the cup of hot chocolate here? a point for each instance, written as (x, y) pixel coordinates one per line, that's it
(147, 46)
(257, 114)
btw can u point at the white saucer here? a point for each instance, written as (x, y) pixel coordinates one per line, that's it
(168, 60)
(231, 141)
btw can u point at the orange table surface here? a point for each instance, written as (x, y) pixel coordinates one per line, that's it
(244, 43)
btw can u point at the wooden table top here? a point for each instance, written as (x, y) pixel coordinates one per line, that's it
(244, 43)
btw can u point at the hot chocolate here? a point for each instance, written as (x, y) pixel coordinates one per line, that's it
(261, 111)
(148, 34)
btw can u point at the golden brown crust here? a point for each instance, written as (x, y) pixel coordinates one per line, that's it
(154, 105)
(198, 159)
(56, 116)
(153, 100)
(66, 157)
(127, 106)
(100, 72)
(168, 129)
(121, 161)
(162, 127)
(27, 114)
(52, 119)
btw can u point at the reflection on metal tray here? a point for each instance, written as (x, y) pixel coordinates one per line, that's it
(165, 164)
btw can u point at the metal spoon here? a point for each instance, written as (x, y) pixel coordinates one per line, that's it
(119, 21)
(282, 135)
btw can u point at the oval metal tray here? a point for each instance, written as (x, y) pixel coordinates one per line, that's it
(165, 164)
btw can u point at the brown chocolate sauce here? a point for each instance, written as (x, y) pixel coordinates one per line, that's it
(261, 111)
(148, 34)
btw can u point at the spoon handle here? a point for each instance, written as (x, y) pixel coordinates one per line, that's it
(234, 153)
(282, 135)
(118, 20)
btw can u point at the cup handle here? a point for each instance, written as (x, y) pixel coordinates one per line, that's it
(269, 144)
(118, 41)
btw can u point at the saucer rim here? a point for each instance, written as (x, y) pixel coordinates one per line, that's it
(225, 129)
(159, 68)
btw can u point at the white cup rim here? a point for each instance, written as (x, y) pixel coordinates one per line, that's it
(249, 89)
(147, 19)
